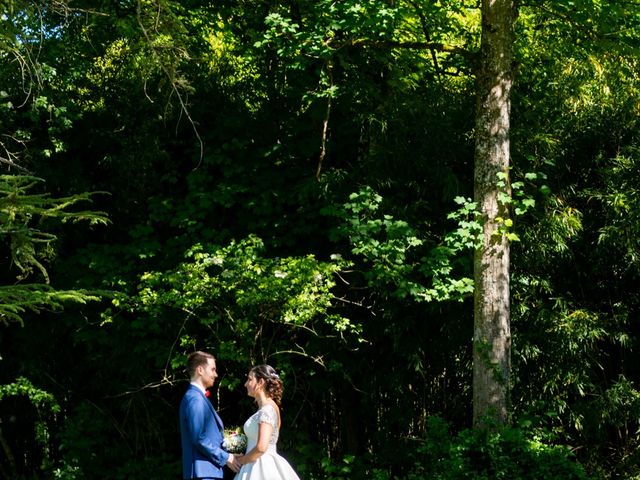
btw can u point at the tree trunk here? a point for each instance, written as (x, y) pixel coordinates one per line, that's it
(492, 335)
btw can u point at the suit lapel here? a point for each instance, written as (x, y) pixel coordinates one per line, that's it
(218, 419)
(213, 410)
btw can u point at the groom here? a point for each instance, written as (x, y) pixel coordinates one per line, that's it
(200, 426)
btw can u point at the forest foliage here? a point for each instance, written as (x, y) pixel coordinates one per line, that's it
(291, 183)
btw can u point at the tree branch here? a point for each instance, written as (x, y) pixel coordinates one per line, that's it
(394, 44)
(8, 453)
(170, 77)
(427, 36)
(325, 125)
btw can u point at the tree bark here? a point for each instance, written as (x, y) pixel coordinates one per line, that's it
(492, 334)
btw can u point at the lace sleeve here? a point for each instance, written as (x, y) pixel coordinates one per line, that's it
(268, 415)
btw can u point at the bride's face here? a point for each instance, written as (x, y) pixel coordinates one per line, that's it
(253, 385)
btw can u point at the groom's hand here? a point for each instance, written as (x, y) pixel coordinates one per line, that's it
(232, 463)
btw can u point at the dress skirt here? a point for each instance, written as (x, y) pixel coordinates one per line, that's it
(269, 466)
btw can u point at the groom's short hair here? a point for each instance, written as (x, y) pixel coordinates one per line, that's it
(195, 360)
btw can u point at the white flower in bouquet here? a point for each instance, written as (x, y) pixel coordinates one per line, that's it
(234, 440)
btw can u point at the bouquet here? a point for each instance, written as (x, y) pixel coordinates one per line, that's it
(234, 440)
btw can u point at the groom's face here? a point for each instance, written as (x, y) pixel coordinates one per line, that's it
(209, 373)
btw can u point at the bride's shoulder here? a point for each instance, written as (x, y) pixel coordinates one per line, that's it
(269, 412)
(269, 409)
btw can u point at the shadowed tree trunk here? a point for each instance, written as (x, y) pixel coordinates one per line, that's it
(492, 336)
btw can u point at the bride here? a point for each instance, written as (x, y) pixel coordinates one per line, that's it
(261, 461)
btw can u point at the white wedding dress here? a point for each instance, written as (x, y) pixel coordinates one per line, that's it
(270, 466)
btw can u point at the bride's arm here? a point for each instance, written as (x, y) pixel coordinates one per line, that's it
(264, 434)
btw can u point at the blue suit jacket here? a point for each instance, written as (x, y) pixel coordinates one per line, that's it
(202, 434)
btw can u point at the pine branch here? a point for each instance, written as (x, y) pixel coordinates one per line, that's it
(20, 213)
(16, 300)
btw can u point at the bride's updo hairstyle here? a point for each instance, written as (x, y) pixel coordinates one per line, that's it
(273, 386)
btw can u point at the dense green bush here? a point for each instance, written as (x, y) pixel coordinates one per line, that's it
(512, 453)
